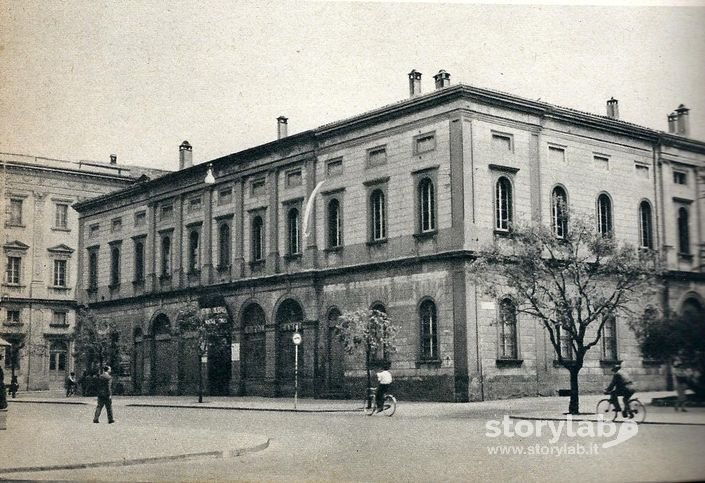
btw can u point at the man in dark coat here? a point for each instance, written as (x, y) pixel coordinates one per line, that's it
(105, 394)
(620, 386)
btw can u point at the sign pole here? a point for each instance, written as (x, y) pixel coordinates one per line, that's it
(296, 339)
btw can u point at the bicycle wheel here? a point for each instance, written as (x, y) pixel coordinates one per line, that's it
(606, 410)
(638, 411)
(368, 406)
(390, 405)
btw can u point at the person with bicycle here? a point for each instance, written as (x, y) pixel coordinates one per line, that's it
(384, 379)
(620, 386)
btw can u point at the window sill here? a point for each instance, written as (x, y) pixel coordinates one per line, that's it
(60, 287)
(15, 225)
(502, 233)
(429, 362)
(292, 257)
(13, 285)
(426, 235)
(373, 243)
(685, 257)
(339, 248)
(66, 230)
(509, 362)
(13, 324)
(59, 326)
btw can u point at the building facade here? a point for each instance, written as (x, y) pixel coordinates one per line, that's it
(385, 210)
(40, 258)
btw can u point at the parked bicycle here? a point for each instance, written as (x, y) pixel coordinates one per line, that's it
(635, 412)
(369, 405)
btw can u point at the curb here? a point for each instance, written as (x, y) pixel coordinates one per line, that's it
(48, 401)
(237, 408)
(141, 461)
(655, 423)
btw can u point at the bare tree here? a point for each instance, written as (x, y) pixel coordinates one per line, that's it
(96, 341)
(572, 284)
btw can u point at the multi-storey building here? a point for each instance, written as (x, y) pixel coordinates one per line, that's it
(39, 259)
(385, 210)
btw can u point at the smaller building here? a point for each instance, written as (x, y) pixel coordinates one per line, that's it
(40, 235)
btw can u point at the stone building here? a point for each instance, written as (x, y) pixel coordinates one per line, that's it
(40, 261)
(384, 210)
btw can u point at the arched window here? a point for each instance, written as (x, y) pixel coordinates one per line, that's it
(378, 215)
(193, 251)
(381, 353)
(646, 238)
(224, 245)
(115, 265)
(604, 215)
(507, 329)
(257, 239)
(293, 229)
(335, 229)
(609, 339)
(427, 206)
(429, 331)
(503, 204)
(166, 256)
(683, 231)
(559, 212)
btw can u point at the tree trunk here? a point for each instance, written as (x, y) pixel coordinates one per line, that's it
(574, 405)
(369, 377)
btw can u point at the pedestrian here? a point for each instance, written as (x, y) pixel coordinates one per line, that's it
(105, 394)
(70, 384)
(3, 393)
(681, 377)
(620, 386)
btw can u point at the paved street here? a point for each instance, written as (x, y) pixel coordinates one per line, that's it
(422, 442)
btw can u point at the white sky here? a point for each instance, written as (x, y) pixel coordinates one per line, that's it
(84, 79)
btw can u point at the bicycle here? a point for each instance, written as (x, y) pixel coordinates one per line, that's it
(369, 404)
(610, 412)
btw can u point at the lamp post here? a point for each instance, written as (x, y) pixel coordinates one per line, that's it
(203, 353)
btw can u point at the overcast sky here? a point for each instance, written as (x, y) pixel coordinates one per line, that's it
(80, 80)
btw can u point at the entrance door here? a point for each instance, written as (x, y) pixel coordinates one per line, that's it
(219, 367)
(336, 354)
(58, 364)
(290, 318)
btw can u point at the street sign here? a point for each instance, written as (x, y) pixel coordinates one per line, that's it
(296, 338)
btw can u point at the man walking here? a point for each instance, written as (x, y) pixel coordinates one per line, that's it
(105, 394)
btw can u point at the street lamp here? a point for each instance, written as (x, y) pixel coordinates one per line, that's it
(202, 351)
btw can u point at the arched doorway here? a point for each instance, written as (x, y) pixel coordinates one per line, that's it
(336, 354)
(138, 361)
(692, 310)
(58, 364)
(253, 344)
(162, 356)
(289, 318)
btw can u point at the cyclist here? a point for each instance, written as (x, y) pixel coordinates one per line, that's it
(384, 377)
(620, 386)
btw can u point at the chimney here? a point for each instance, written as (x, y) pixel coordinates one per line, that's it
(414, 83)
(613, 108)
(113, 159)
(682, 122)
(672, 122)
(282, 125)
(442, 79)
(185, 155)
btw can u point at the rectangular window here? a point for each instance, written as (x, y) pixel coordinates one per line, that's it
(293, 178)
(680, 177)
(92, 269)
(140, 218)
(377, 156)
(114, 265)
(258, 186)
(93, 230)
(61, 216)
(12, 273)
(556, 155)
(225, 196)
(334, 167)
(502, 142)
(424, 143)
(602, 163)
(60, 273)
(15, 212)
(13, 317)
(194, 205)
(116, 225)
(139, 260)
(60, 319)
(642, 170)
(167, 212)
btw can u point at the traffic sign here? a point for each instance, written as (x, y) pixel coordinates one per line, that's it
(296, 338)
